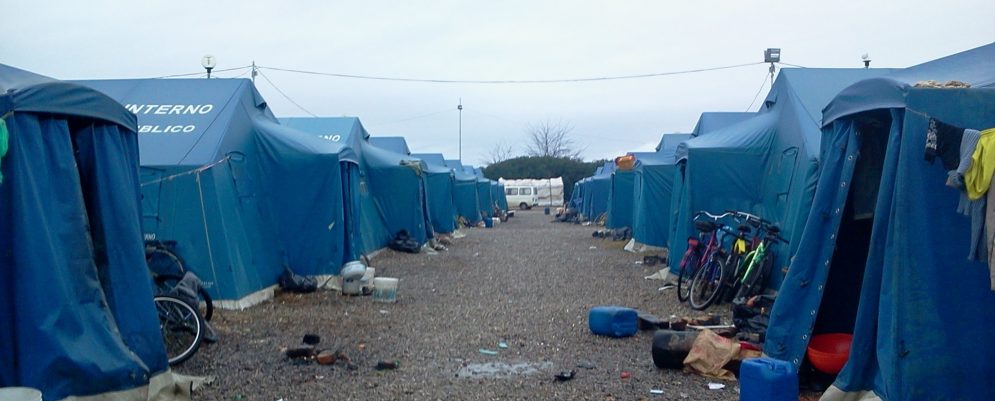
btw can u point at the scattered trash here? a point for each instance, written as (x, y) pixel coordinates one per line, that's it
(361, 346)
(326, 358)
(650, 322)
(667, 287)
(655, 391)
(613, 321)
(593, 247)
(498, 369)
(662, 274)
(319, 377)
(586, 365)
(385, 365)
(716, 386)
(710, 353)
(384, 312)
(291, 282)
(638, 262)
(311, 339)
(300, 352)
(625, 375)
(565, 375)
(503, 345)
(488, 352)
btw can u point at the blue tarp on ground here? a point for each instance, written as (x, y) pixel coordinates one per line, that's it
(652, 187)
(918, 309)
(242, 195)
(76, 311)
(441, 182)
(768, 164)
(465, 192)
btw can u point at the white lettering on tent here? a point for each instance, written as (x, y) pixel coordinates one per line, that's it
(170, 109)
(149, 236)
(333, 138)
(166, 129)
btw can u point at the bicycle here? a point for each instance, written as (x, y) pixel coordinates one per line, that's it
(168, 269)
(181, 326)
(696, 258)
(755, 268)
(706, 284)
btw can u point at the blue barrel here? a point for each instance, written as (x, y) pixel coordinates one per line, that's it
(613, 321)
(488, 222)
(766, 379)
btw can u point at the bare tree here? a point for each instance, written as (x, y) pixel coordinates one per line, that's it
(551, 139)
(501, 151)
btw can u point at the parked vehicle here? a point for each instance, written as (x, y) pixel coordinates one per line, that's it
(523, 196)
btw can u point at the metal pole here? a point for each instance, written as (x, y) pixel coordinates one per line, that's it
(460, 108)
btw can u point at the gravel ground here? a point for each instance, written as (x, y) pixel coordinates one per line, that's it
(527, 282)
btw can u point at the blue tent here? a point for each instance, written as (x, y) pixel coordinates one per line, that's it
(768, 164)
(485, 196)
(596, 190)
(652, 187)
(367, 229)
(76, 312)
(465, 192)
(241, 195)
(884, 254)
(620, 192)
(440, 181)
(391, 183)
(497, 193)
(680, 225)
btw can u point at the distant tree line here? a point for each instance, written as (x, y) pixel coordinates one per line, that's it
(571, 169)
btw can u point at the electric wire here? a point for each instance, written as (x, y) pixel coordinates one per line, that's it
(285, 95)
(507, 81)
(190, 74)
(756, 96)
(791, 65)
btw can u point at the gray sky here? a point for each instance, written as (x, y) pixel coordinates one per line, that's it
(478, 40)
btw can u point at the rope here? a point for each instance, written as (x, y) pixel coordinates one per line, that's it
(207, 233)
(197, 170)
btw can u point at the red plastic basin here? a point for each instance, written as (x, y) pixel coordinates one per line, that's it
(829, 352)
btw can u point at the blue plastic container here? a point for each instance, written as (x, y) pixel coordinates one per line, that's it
(488, 223)
(613, 321)
(766, 379)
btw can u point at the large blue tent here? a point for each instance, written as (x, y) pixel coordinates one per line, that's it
(240, 194)
(652, 187)
(440, 182)
(768, 164)
(620, 203)
(465, 192)
(884, 254)
(76, 311)
(595, 192)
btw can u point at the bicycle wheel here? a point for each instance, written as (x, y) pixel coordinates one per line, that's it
(689, 266)
(166, 282)
(181, 326)
(162, 261)
(707, 285)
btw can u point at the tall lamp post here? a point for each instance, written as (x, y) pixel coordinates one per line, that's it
(460, 108)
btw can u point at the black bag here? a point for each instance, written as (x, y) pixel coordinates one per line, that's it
(403, 242)
(289, 281)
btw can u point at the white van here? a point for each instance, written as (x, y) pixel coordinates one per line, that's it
(523, 196)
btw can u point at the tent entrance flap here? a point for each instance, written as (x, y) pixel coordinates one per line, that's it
(838, 309)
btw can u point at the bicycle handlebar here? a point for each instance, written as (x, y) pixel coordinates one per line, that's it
(712, 216)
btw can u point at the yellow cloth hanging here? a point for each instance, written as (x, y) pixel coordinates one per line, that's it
(978, 177)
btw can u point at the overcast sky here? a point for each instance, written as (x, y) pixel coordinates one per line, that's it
(490, 40)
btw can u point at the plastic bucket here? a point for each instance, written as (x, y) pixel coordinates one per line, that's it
(385, 289)
(19, 394)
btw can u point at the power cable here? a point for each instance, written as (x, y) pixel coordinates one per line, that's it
(285, 95)
(791, 65)
(190, 74)
(758, 92)
(510, 81)
(412, 117)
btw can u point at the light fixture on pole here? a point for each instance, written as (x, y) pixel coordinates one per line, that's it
(208, 62)
(867, 60)
(772, 55)
(460, 108)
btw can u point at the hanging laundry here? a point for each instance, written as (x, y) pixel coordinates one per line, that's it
(990, 236)
(943, 140)
(969, 142)
(978, 176)
(4, 136)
